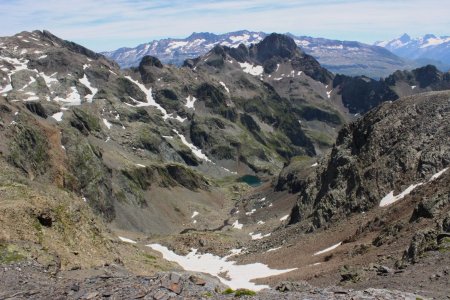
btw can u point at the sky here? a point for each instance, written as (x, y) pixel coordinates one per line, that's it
(110, 24)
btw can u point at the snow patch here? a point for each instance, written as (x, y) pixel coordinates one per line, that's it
(249, 213)
(197, 152)
(32, 80)
(327, 249)
(238, 276)
(251, 69)
(85, 81)
(438, 174)
(239, 39)
(390, 198)
(284, 218)
(124, 239)
(258, 236)
(274, 249)
(6, 89)
(237, 225)
(234, 173)
(58, 116)
(107, 124)
(48, 79)
(434, 42)
(190, 100)
(234, 252)
(32, 97)
(73, 98)
(151, 101)
(148, 94)
(225, 87)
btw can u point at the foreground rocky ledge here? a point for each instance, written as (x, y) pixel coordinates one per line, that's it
(30, 280)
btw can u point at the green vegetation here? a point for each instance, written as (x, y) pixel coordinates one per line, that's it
(149, 257)
(244, 292)
(168, 99)
(321, 138)
(228, 291)
(444, 245)
(349, 274)
(300, 158)
(207, 294)
(327, 114)
(239, 292)
(9, 255)
(84, 121)
(147, 140)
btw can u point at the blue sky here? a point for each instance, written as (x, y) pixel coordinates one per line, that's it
(110, 24)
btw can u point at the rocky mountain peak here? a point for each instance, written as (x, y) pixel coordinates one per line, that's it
(277, 45)
(69, 45)
(150, 61)
(146, 67)
(429, 36)
(218, 49)
(427, 75)
(405, 38)
(202, 35)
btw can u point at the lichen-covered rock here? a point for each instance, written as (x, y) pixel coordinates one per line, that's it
(430, 207)
(420, 243)
(28, 150)
(388, 234)
(351, 274)
(446, 223)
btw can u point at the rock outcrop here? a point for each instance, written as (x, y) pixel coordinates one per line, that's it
(395, 146)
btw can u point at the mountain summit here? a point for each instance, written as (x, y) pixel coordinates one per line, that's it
(278, 45)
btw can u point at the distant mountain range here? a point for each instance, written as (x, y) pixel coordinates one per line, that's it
(175, 51)
(426, 49)
(346, 57)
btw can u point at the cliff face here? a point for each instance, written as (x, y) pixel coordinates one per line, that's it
(393, 147)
